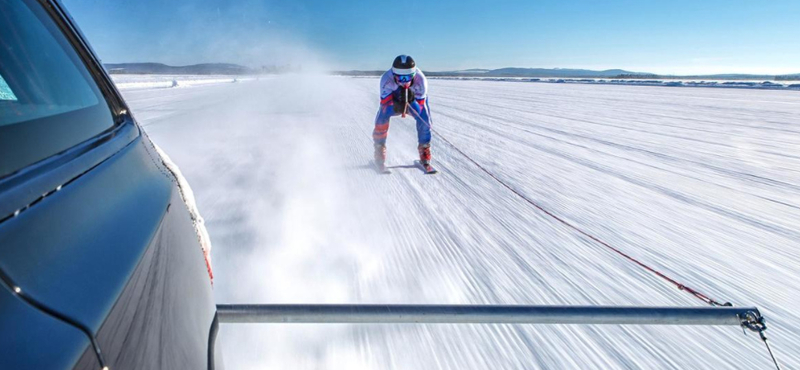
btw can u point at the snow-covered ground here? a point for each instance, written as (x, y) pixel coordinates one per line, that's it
(703, 184)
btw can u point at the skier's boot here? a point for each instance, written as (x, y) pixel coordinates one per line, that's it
(424, 153)
(380, 156)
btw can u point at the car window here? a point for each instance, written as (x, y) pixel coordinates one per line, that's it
(5, 91)
(49, 102)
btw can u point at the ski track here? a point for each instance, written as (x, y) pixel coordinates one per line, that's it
(701, 184)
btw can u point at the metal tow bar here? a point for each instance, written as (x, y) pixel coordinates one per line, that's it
(477, 314)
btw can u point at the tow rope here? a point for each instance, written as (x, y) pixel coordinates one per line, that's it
(752, 323)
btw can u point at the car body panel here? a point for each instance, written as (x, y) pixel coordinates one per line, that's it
(115, 251)
(43, 342)
(75, 250)
(162, 318)
(105, 251)
(25, 187)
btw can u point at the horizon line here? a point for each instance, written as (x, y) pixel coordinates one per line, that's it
(489, 69)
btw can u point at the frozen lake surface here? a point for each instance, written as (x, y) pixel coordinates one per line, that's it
(702, 184)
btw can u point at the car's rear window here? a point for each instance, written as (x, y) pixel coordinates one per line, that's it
(48, 100)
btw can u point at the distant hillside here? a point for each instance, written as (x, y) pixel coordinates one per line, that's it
(558, 72)
(474, 70)
(195, 69)
(794, 77)
(359, 73)
(580, 73)
(517, 72)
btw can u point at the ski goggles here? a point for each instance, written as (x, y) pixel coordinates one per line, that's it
(404, 79)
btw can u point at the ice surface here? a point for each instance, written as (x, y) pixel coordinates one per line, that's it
(703, 184)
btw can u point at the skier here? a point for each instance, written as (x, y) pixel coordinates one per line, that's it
(403, 91)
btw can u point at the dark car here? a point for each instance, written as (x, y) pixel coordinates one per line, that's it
(101, 263)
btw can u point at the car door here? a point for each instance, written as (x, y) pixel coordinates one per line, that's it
(100, 264)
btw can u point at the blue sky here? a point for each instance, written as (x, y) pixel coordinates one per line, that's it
(678, 36)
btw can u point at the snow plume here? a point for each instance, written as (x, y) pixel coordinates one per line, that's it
(297, 236)
(252, 33)
(249, 33)
(274, 193)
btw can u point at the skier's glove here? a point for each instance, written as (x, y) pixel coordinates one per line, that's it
(399, 107)
(403, 96)
(421, 103)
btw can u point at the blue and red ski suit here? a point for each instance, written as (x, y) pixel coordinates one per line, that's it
(417, 108)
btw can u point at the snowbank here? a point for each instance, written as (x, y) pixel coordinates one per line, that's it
(136, 82)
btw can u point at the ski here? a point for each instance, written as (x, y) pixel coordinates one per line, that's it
(427, 168)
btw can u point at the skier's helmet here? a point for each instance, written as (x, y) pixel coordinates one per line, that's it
(404, 69)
